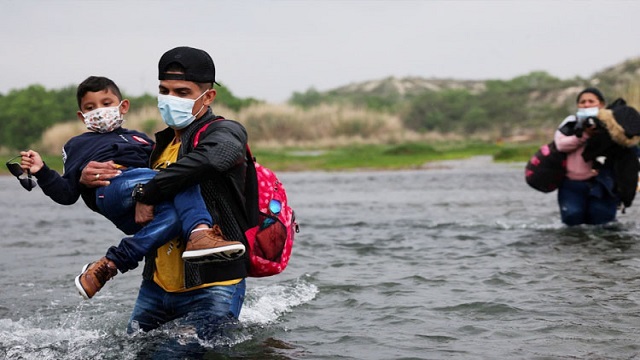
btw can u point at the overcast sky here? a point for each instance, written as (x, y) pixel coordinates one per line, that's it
(270, 49)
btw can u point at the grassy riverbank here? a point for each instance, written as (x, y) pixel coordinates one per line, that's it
(387, 157)
(373, 157)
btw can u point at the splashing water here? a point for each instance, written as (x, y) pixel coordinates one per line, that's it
(265, 304)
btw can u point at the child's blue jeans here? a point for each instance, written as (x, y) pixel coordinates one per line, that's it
(171, 218)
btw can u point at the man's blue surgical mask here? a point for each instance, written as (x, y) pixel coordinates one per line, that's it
(176, 111)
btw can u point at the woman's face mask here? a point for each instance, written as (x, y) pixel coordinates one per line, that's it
(584, 113)
(176, 111)
(104, 119)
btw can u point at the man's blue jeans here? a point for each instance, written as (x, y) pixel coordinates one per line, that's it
(171, 219)
(207, 309)
(586, 202)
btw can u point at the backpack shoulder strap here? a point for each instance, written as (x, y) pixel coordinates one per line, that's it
(248, 216)
(196, 137)
(251, 190)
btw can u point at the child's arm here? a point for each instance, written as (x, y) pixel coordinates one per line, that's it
(60, 189)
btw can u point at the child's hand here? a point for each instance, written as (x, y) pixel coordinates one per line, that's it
(31, 161)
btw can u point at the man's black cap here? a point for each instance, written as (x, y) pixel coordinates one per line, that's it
(198, 65)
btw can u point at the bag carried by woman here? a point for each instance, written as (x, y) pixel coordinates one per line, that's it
(546, 169)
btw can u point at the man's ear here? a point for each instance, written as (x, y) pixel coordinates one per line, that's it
(208, 98)
(124, 107)
(80, 116)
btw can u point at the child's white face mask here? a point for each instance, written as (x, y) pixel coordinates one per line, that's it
(104, 120)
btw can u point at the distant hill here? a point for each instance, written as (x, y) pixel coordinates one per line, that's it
(530, 104)
(615, 81)
(408, 86)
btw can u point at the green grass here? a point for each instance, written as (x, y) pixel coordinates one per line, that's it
(516, 153)
(375, 157)
(404, 156)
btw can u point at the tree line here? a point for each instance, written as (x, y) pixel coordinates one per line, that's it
(533, 101)
(27, 113)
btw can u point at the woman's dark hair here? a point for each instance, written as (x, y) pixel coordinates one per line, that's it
(591, 90)
(95, 84)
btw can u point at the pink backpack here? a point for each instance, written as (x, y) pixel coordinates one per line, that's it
(271, 240)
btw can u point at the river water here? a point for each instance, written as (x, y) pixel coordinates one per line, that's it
(458, 260)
